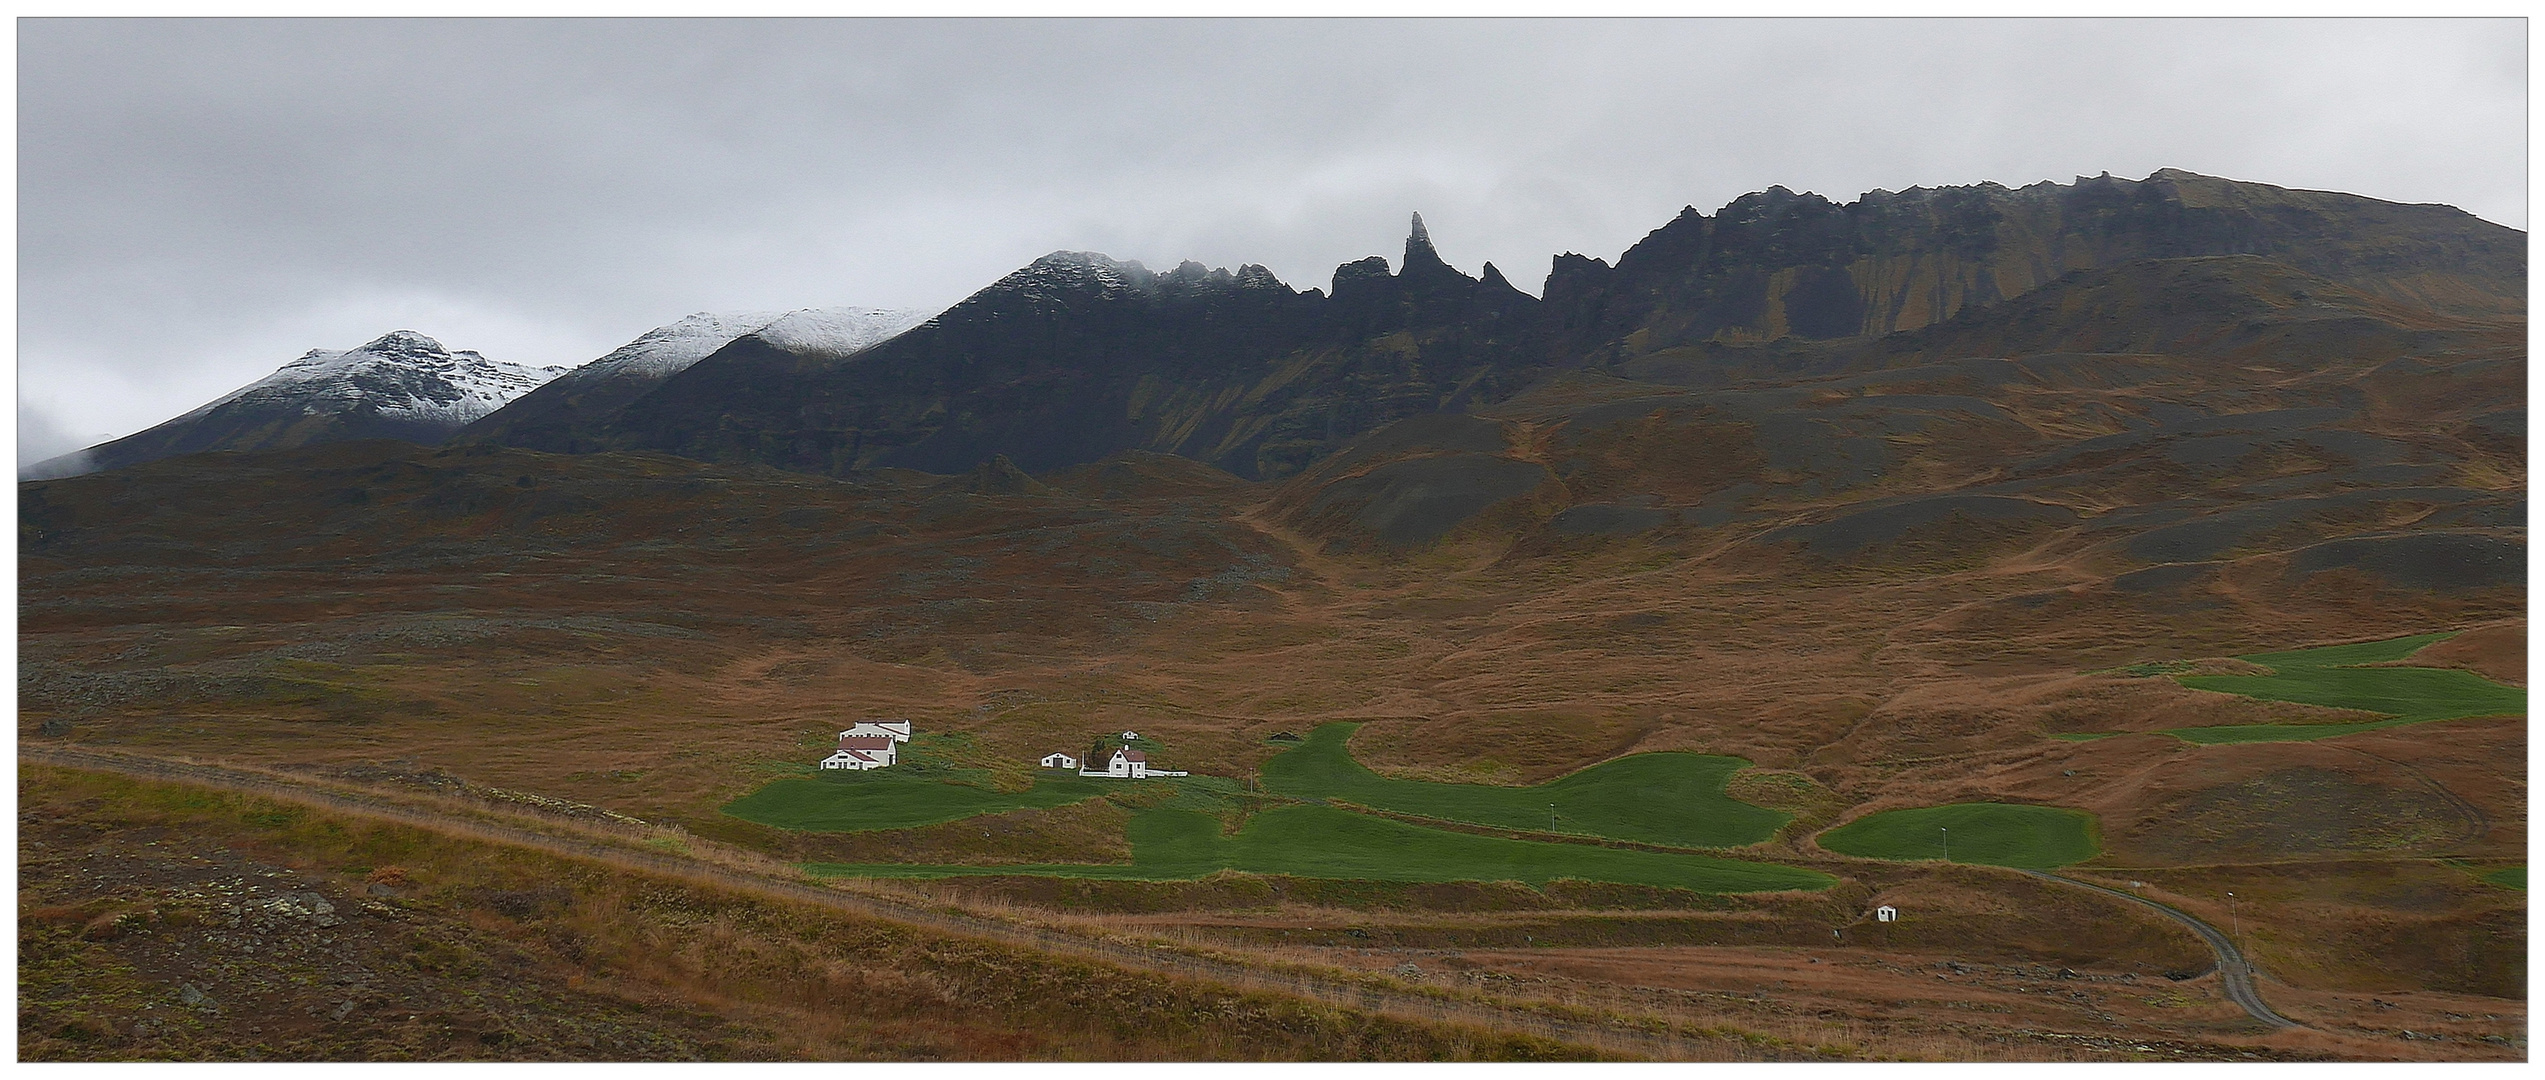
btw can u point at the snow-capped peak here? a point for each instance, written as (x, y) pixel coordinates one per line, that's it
(1063, 272)
(666, 351)
(836, 332)
(401, 374)
(1068, 273)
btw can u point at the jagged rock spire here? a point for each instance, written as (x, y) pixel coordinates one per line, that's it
(1418, 246)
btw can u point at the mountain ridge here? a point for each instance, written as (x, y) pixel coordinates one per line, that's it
(1078, 356)
(401, 385)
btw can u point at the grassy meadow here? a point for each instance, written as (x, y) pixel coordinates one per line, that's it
(2336, 677)
(1991, 834)
(1665, 798)
(1323, 842)
(1179, 828)
(898, 798)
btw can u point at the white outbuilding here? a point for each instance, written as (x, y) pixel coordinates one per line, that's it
(1886, 913)
(1060, 761)
(896, 730)
(1130, 764)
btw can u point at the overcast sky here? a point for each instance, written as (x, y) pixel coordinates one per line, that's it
(200, 202)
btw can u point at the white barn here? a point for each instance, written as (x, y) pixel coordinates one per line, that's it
(1059, 761)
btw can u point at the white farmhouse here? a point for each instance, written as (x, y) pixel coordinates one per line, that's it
(896, 730)
(1060, 761)
(863, 752)
(1129, 764)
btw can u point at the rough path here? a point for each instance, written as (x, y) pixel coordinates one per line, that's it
(2234, 974)
(1616, 1037)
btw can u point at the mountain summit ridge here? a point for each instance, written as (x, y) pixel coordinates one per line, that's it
(400, 385)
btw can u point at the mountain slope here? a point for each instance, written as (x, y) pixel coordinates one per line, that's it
(2189, 442)
(1774, 264)
(558, 416)
(402, 385)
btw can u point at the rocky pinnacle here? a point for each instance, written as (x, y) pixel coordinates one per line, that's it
(1423, 265)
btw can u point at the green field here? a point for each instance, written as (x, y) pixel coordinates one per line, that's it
(1178, 834)
(1323, 842)
(899, 799)
(2405, 695)
(1665, 798)
(2514, 877)
(1991, 834)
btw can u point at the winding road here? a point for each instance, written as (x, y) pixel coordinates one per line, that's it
(2234, 973)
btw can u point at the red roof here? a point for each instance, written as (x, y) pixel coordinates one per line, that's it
(1134, 755)
(865, 742)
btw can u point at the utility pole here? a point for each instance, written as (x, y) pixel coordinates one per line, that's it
(1948, 842)
(1550, 817)
(2235, 923)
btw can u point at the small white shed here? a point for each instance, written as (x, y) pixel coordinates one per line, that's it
(1886, 913)
(1060, 761)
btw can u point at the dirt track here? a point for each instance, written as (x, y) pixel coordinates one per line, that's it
(2235, 975)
